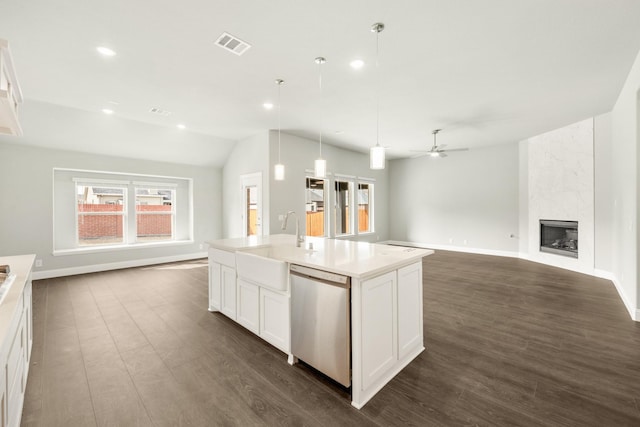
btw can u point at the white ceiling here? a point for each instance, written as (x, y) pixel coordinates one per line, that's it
(487, 72)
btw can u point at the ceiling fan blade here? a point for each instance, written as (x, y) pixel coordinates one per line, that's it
(441, 146)
(415, 156)
(442, 154)
(456, 149)
(419, 151)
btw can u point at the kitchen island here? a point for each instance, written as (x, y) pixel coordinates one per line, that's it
(385, 299)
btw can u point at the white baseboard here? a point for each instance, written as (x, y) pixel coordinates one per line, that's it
(631, 308)
(94, 268)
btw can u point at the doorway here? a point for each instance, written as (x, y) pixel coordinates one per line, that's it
(251, 204)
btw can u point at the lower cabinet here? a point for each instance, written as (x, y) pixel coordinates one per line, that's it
(410, 319)
(379, 327)
(15, 345)
(390, 322)
(215, 281)
(275, 319)
(222, 274)
(228, 291)
(248, 305)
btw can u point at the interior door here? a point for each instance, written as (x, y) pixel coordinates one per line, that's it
(251, 204)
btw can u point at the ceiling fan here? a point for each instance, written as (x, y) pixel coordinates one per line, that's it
(437, 150)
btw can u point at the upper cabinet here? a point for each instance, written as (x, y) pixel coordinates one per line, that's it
(10, 93)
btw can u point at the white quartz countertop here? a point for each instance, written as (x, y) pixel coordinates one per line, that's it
(355, 259)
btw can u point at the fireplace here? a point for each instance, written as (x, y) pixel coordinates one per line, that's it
(559, 237)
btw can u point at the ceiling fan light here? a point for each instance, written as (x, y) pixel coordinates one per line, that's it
(320, 169)
(278, 172)
(376, 157)
(434, 154)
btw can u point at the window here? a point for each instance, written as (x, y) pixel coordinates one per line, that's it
(101, 211)
(155, 216)
(365, 204)
(342, 211)
(315, 196)
(108, 210)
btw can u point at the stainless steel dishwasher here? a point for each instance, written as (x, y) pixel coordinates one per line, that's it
(321, 321)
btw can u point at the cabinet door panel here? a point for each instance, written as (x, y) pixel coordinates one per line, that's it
(228, 291)
(215, 278)
(409, 309)
(248, 305)
(379, 327)
(275, 319)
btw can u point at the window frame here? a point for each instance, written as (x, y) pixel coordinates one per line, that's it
(78, 182)
(155, 186)
(351, 223)
(65, 209)
(325, 195)
(371, 183)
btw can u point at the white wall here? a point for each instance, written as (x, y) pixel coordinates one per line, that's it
(298, 155)
(626, 192)
(470, 196)
(26, 209)
(523, 193)
(248, 156)
(561, 187)
(603, 212)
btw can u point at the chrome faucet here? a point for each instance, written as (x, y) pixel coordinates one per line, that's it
(299, 238)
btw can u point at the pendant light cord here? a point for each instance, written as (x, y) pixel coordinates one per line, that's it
(279, 84)
(320, 61)
(377, 89)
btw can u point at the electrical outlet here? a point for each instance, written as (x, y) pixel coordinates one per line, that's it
(280, 217)
(464, 242)
(38, 263)
(201, 246)
(450, 239)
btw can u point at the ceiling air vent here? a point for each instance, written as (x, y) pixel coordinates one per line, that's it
(160, 111)
(232, 44)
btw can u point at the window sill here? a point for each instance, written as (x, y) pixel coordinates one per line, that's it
(115, 248)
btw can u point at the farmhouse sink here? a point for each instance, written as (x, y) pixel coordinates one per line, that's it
(255, 265)
(265, 265)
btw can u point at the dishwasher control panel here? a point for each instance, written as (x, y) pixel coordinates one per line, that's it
(319, 274)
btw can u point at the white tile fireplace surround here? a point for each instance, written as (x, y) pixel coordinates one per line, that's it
(561, 188)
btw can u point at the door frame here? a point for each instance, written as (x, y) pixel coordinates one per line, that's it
(246, 181)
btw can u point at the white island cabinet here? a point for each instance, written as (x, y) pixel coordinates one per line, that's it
(222, 282)
(386, 299)
(16, 335)
(387, 326)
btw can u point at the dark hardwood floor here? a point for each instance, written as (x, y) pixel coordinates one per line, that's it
(509, 342)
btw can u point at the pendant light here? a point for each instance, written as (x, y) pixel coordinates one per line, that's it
(278, 170)
(320, 165)
(376, 153)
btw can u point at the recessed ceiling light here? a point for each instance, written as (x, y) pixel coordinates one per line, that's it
(267, 105)
(106, 51)
(356, 64)
(181, 126)
(107, 111)
(339, 132)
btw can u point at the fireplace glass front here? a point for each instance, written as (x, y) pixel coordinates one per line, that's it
(559, 237)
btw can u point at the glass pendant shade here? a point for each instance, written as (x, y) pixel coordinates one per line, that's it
(376, 157)
(278, 172)
(320, 168)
